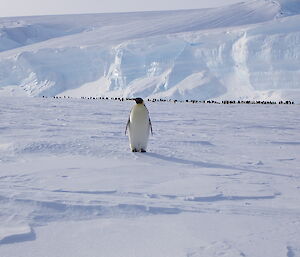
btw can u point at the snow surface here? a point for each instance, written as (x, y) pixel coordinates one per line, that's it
(249, 50)
(218, 180)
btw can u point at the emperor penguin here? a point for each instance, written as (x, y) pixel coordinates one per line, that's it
(139, 126)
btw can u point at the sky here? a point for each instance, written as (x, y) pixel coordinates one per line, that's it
(10, 8)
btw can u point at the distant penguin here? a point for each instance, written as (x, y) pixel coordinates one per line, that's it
(139, 126)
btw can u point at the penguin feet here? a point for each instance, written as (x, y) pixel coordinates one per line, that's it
(135, 150)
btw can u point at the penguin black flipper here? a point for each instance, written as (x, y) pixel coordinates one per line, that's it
(127, 125)
(150, 124)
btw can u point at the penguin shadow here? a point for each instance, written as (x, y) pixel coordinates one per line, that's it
(201, 164)
(189, 162)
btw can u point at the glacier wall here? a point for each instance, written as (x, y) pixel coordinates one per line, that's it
(216, 56)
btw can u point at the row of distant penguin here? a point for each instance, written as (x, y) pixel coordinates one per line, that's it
(180, 101)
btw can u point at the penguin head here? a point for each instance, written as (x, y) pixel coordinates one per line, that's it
(139, 100)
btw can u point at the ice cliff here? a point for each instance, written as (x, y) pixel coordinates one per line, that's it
(249, 50)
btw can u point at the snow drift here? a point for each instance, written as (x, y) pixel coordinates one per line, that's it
(249, 50)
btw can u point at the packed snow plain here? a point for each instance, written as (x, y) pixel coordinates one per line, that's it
(217, 180)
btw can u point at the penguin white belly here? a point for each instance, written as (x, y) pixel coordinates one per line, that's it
(139, 128)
